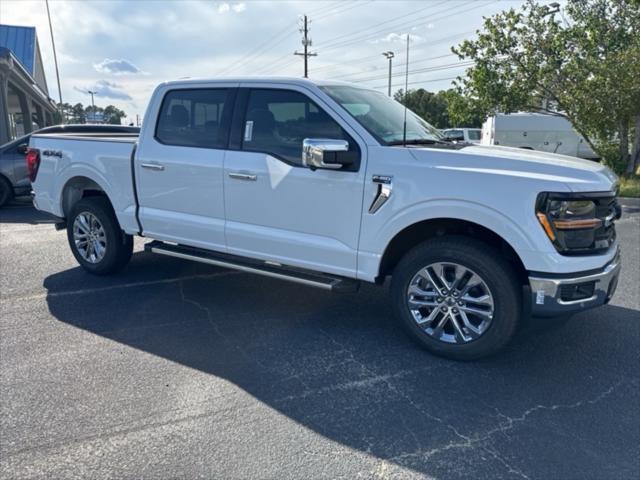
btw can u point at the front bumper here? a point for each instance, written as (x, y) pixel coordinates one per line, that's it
(551, 295)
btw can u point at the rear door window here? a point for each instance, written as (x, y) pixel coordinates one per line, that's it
(194, 118)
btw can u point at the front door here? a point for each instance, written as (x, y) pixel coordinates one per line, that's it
(278, 210)
(179, 168)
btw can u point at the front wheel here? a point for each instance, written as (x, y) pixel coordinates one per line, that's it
(457, 297)
(95, 237)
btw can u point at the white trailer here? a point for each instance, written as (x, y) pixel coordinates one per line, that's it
(536, 131)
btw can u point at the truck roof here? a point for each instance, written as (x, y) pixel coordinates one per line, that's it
(261, 79)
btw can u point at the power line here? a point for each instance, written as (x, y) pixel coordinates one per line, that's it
(324, 8)
(256, 52)
(417, 81)
(419, 70)
(403, 25)
(397, 65)
(355, 61)
(347, 7)
(284, 61)
(358, 36)
(383, 23)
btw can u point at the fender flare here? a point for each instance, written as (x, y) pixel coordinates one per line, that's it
(518, 236)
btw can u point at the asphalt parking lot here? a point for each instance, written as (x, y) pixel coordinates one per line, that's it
(178, 370)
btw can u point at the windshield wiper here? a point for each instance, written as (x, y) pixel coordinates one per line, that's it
(418, 141)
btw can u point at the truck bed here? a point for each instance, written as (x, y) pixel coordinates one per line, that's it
(70, 159)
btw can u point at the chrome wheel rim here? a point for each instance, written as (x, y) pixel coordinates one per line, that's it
(450, 302)
(89, 237)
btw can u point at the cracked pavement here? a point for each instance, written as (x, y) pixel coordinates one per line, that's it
(178, 370)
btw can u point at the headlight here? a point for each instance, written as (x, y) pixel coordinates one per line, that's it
(576, 225)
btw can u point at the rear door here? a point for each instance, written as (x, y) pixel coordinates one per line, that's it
(279, 210)
(179, 167)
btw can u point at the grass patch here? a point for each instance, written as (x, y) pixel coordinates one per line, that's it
(630, 186)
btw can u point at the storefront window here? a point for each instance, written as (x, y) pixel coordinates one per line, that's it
(17, 115)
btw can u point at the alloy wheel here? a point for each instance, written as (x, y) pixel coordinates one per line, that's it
(450, 302)
(89, 237)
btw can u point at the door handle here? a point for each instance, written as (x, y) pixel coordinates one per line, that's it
(152, 166)
(249, 177)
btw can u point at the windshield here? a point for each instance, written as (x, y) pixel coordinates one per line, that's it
(382, 116)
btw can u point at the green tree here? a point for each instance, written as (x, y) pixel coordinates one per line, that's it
(113, 115)
(77, 114)
(463, 111)
(444, 109)
(428, 105)
(586, 68)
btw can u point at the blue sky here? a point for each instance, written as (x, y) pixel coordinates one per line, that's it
(124, 48)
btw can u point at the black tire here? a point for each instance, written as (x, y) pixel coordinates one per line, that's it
(498, 275)
(6, 191)
(119, 246)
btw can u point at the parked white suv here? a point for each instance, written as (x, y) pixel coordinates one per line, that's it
(323, 184)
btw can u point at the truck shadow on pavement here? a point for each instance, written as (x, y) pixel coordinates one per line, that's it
(22, 211)
(341, 366)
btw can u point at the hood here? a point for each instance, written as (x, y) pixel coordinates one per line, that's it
(576, 174)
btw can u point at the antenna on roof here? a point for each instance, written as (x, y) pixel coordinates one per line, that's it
(406, 86)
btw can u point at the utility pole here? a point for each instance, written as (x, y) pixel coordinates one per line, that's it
(55, 60)
(93, 106)
(389, 56)
(306, 43)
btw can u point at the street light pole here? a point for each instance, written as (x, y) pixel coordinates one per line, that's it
(93, 106)
(389, 56)
(55, 60)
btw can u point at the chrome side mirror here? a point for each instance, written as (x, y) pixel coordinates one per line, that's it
(324, 153)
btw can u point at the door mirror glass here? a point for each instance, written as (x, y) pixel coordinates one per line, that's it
(22, 148)
(325, 153)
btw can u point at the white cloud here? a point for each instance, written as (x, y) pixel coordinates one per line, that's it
(106, 89)
(236, 7)
(116, 67)
(399, 38)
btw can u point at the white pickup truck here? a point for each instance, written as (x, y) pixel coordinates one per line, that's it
(329, 184)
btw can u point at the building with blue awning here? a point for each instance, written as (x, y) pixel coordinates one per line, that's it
(25, 104)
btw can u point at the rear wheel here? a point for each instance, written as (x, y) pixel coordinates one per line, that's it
(6, 191)
(95, 237)
(457, 297)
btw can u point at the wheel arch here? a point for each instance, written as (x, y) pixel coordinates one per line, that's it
(417, 232)
(77, 188)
